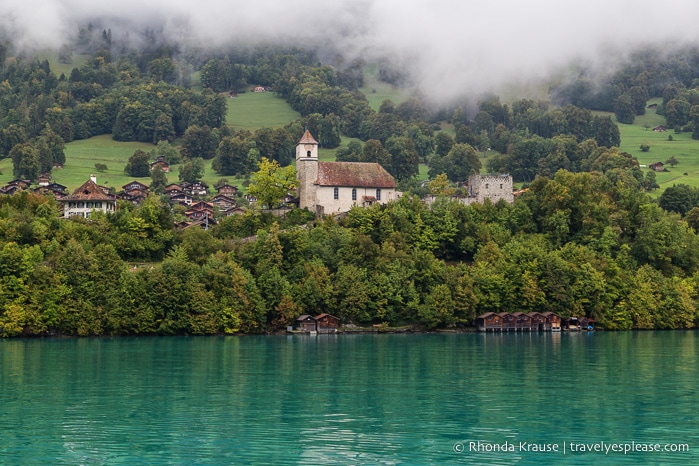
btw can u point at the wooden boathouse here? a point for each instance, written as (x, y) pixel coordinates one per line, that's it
(530, 322)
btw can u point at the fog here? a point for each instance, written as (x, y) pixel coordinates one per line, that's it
(450, 47)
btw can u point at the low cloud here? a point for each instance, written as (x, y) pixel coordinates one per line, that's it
(450, 47)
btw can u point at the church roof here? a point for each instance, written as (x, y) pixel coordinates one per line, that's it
(354, 174)
(307, 138)
(89, 191)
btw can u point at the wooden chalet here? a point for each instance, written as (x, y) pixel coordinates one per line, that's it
(657, 166)
(227, 189)
(203, 211)
(235, 210)
(223, 201)
(15, 186)
(173, 188)
(306, 323)
(198, 188)
(160, 162)
(326, 323)
(134, 192)
(181, 198)
(52, 189)
(44, 179)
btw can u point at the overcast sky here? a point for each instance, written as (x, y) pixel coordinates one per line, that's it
(454, 46)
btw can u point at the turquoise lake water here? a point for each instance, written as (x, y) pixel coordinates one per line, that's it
(352, 399)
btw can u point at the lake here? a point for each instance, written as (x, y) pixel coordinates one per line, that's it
(579, 398)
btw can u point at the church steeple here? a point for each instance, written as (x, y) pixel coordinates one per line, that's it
(307, 170)
(307, 148)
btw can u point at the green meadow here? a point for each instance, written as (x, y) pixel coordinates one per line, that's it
(254, 110)
(682, 146)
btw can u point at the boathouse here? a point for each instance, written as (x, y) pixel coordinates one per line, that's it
(489, 321)
(524, 322)
(509, 322)
(325, 323)
(553, 321)
(306, 323)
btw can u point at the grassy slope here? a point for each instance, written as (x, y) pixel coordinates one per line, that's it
(683, 147)
(253, 110)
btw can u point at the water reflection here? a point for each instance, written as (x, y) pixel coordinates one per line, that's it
(362, 399)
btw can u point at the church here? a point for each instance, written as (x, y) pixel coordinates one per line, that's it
(327, 188)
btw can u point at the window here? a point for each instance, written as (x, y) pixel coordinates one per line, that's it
(89, 205)
(378, 194)
(486, 186)
(500, 185)
(308, 154)
(81, 205)
(336, 193)
(354, 194)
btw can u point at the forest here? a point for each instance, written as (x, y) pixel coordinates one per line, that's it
(584, 238)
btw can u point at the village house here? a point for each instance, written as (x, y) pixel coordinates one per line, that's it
(160, 162)
(235, 210)
(333, 187)
(182, 199)
(201, 211)
(226, 189)
(173, 188)
(198, 188)
(52, 189)
(88, 198)
(15, 186)
(657, 166)
(44, 179)
(223, 202)
(134, 192)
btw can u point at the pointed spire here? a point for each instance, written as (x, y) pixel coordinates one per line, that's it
(307, 138)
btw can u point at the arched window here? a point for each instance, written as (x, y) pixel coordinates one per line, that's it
(308, 154)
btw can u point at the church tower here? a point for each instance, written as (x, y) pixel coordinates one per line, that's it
(307, 170)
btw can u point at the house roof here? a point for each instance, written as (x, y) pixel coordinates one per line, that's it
(305, 317)
(307, 138)
(130, 185)
(89, 191)
(226, 186)
(354, 174)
